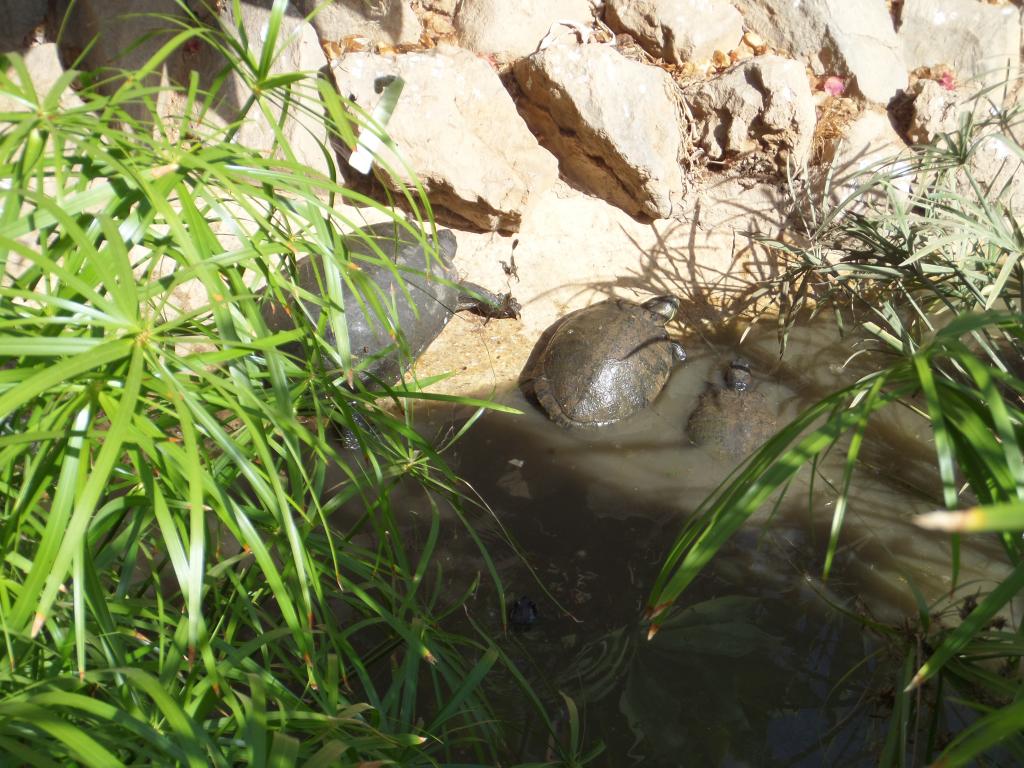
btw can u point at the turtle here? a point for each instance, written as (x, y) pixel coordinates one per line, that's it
(522, 614)
(420, 304)
(602, 363)
(733, 419)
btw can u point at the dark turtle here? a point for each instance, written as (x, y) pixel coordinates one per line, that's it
(522, 614)
(420, 304)
(605, 362)
(733, 419)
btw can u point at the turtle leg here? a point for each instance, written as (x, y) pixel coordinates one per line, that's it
(677, 351)
(500, 306)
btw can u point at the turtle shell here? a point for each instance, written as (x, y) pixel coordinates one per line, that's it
(603, 363)
(731, 422)
(412, 301)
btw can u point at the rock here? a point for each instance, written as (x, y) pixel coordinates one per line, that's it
(493, 26)
(381, 21)
(613, 124)
(301, 53)
(118, 26)
(992, 168)
(447, 7)
(763, 104)
(935, 110)
(975, 39)
(458, 131)
(870, 144)
(102, 35)
(114, 26)
(839, 37)
(44, 67)
(18, 21)
(678, 30)
(743, 210)
(998, 169)
(575, 250)
(868, 138)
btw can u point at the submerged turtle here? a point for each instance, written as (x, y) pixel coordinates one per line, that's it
(418, 303)
(605, 362)
(522, 614)
(732, 419)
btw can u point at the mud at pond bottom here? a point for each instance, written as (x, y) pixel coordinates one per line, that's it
(758, 666)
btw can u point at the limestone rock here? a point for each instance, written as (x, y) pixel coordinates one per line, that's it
(117, 25)
(301, 53)
(996, 167)
(975, 39)
(612, 123)
(839, 37)
(18, 18)
(447, 7)
(678, 30)
(381, 21)
(457, 129)
(868, 139)
(935, 110)
(575, 250)
(870, 145)
(763, 103)
(495, 26)
(104, 34)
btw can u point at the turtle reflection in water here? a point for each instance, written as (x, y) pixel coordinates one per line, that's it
(733, 419)
(604, 362)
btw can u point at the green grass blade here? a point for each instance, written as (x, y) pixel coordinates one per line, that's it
(62, 371)
(86, 499)
(1008, 516)
(977, 620)
(56, 524)
(79, 743)
(943, 442)
(989, 731)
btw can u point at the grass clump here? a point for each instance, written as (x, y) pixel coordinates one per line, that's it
(183, 579)
(925, 255)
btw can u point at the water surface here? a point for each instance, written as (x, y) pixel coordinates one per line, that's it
(763, 663)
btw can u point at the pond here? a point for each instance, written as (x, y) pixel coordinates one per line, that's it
(763, 663)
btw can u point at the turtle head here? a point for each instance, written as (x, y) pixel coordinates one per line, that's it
(446, 244)
(737, 377)
(665, 307)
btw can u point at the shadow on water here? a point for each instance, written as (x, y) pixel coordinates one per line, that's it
(746, 670)
(759, 666)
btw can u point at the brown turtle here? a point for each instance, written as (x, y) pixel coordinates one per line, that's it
(733, 419)
(605, 362)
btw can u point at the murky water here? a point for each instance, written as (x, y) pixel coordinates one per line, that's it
(758, 666)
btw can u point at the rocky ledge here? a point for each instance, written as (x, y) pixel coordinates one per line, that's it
(581, 149)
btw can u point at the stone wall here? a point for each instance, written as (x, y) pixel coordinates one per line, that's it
(626, 147)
